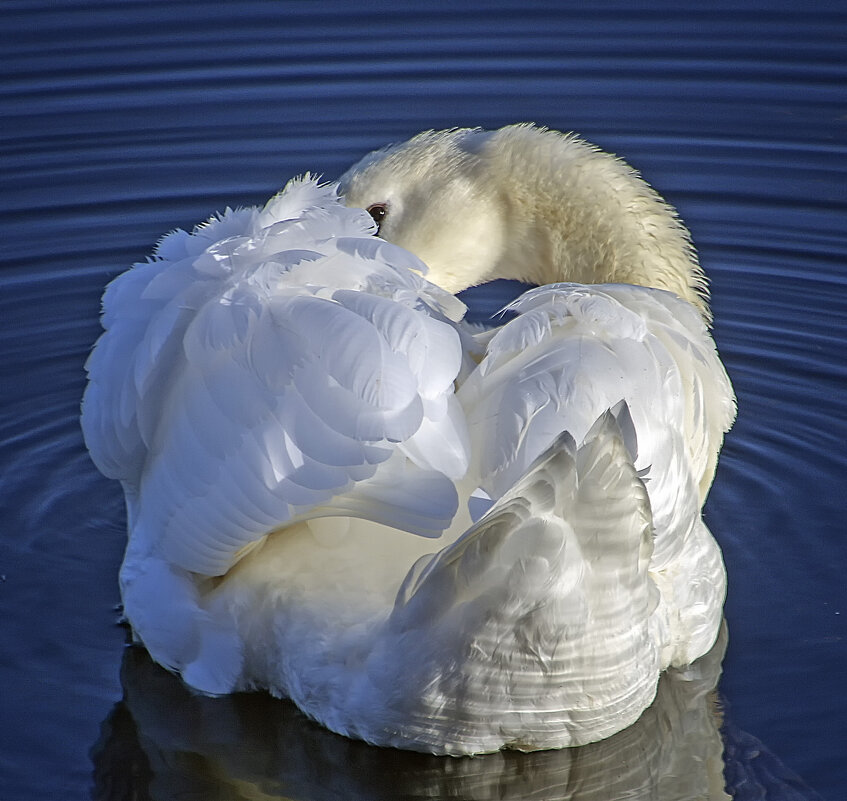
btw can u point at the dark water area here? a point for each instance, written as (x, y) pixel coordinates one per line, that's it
(122, 120)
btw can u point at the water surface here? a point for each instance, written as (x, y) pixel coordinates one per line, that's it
(122, 120)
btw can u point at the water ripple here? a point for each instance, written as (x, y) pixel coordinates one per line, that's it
(125, 120)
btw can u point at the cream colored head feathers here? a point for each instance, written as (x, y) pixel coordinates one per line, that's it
(527, 203)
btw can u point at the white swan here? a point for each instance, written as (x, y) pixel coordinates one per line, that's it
(304, 431)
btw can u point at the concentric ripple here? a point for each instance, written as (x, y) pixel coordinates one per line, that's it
(123, 120)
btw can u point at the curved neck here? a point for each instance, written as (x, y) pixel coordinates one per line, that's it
(589, 216)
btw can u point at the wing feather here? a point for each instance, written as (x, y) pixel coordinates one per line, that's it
(265, 367)
(574, 351)
(544, 605)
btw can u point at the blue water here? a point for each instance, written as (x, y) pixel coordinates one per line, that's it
(122, 120)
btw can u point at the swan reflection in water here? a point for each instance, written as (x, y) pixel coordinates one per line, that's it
(162, 741)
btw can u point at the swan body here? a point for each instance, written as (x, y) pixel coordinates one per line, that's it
(427, 537)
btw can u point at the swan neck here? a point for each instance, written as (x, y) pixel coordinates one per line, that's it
(577, 214)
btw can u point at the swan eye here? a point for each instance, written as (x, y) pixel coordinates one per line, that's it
(378, 211)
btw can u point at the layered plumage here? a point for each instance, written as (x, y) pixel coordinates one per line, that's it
(308, 437)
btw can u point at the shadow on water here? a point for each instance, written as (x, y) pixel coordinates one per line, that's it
(163, 742)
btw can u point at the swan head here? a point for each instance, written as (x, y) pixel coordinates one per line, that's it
(527, 203)
(428, 195)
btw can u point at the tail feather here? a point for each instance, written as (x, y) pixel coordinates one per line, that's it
(545, 601)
